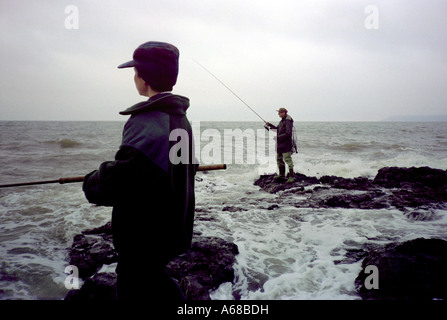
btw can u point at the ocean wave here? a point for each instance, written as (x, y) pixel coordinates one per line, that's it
(350, 147)
(64, 143)
(68, 143)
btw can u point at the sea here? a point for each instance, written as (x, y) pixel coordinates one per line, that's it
(284, 254)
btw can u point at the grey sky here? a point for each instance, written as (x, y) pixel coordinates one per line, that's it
(316, 58)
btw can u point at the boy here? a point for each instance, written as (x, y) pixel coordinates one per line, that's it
(153, 199)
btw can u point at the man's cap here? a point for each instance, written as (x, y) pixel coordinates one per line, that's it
(282, 110)
(157, 63)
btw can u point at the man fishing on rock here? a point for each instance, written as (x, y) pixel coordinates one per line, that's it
(285, 145)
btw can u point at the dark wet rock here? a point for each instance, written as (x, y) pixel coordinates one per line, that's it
(402, 188)
(369, 200)
(233, 209)
(269, 184)
(359, 183)
(92, 249)
(395, 177)
(412, 270)
(100, 287)
(207, 264)
(414, 187)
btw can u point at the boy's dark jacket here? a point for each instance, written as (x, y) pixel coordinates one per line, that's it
(153, 199)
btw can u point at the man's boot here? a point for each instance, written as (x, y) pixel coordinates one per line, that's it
(282, 174)
(291, 176)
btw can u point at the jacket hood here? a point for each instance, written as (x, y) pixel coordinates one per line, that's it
(169, 103)
(287, 118)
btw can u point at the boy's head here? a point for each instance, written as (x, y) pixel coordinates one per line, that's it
(157, 63)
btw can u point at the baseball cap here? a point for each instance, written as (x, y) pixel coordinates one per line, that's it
(157, 63)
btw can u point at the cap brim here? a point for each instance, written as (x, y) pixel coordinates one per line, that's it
(127, 64)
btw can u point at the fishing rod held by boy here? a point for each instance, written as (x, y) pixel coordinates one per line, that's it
(81, 179)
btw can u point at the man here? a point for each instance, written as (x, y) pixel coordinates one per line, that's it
(285, 145)
(152, 197)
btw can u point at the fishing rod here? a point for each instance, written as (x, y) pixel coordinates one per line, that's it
(81, 179)
(230, 90)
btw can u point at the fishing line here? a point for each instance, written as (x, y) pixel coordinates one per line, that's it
(230, 90)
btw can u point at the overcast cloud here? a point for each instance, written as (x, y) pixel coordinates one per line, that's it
(316, 58)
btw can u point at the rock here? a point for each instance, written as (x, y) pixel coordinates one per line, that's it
(92, 249)
(267, 183)
(402, 188)
(359, 183)
(100, 287)
(414, 187)
(394, 177)
(207, 264)
(413, 270)
(369, 200)
(105, 230)
(90, 252)
(233, 209)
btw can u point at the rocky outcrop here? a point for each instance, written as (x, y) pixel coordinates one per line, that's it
(413, 270)
(207, 264)
(401, 188)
